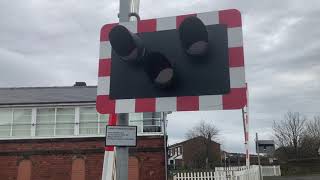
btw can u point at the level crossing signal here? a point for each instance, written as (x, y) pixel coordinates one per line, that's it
(184, 63)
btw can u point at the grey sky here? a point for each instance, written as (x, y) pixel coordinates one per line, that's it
(55, 43)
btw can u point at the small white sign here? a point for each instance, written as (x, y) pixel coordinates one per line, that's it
(121, 136)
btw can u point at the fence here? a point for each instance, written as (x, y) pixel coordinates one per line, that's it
(238, 173)
(271, 170)
(231, 173)
(231, 168)
(194, 176)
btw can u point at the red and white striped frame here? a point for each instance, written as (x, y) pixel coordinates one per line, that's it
(236, 99)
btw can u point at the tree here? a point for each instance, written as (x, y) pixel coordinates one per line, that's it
(209, 132)
(204, 129)
(313, 128)
(289, 132)
(311, 139)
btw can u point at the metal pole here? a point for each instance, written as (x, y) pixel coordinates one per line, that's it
(124, 10)
(164, 118)
(258, 152)
(122, 153)
(225, 161)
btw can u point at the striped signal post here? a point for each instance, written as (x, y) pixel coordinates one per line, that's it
(245, 116)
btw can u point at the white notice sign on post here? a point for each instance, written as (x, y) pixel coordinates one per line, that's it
(121, 136)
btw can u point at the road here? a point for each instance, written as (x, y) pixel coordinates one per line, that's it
(315, 177)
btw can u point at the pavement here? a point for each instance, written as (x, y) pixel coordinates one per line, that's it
(313, 177)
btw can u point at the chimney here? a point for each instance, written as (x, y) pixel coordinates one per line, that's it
(80, 84)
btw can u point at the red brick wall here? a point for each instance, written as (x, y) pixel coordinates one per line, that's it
(52, 158)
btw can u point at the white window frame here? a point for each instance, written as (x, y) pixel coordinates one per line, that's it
(11, 130)
(160, 119)
(62, 107)
(55, 122)
(98, 120)
(11, 120)
(76, 132)
(55, 117)
(21, 108)
(99, 124)
(76, 121)
(33, 121)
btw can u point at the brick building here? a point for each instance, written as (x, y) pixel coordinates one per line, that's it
(56, 133)
(192, 153)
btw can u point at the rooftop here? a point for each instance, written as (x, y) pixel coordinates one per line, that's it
(48, 95)
(266, 142)
(180, 143)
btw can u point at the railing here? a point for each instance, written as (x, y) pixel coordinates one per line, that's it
(194, 175)
(230, 173)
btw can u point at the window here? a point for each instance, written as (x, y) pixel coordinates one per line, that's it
(135, 119)
(171, 162)
(5, 122)
(179, 150)
(65, 121)
(103, 121)
(45, 122)
(21, 122)
(88, 120)
(151, 122)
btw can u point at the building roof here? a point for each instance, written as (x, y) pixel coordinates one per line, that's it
(183, 142)
(48, 95)
(266, 142)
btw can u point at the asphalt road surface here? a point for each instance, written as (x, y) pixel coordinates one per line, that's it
(314, 177)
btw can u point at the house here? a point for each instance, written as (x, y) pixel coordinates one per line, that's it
(56, 133)
(193, 153)
(266, 147)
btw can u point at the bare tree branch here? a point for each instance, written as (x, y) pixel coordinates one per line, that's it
(311, 139)
(203, 129)
(313, 128)
(289, 132)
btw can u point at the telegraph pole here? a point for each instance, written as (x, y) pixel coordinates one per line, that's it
(258, 152)
(164, 118)
(122, 153)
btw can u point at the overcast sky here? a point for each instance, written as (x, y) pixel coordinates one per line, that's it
(56, 42)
